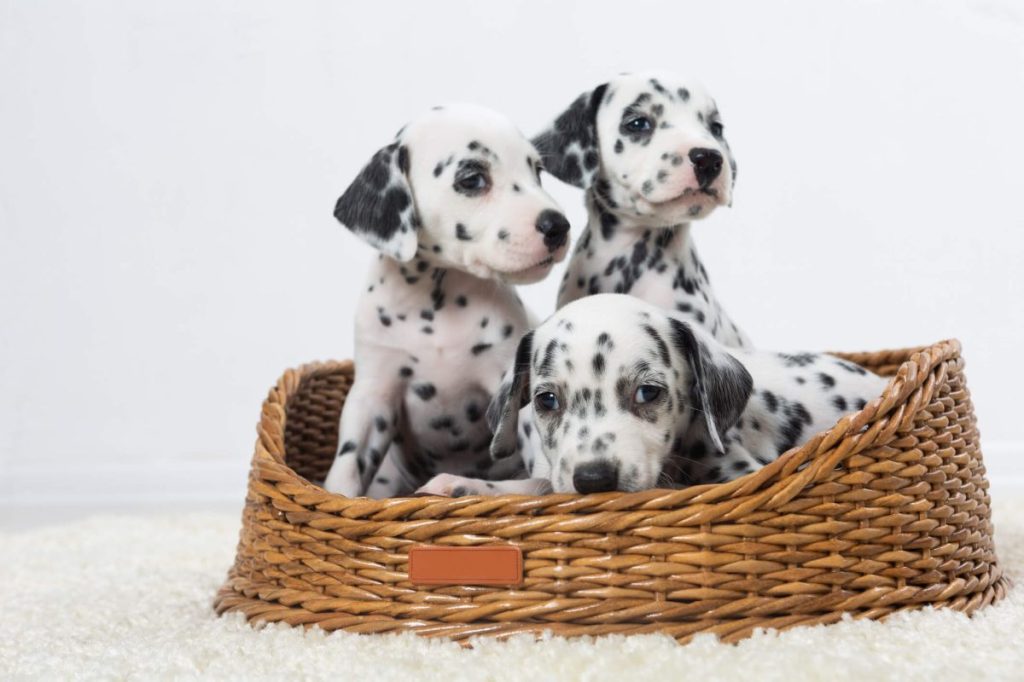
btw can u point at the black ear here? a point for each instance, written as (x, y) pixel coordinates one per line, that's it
(569, 146)
(512, 396)
(721, 384)
(378, 205)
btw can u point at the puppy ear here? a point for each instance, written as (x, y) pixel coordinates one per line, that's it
(512, 396)
(569, 146)
(721, 384)
(378, 205)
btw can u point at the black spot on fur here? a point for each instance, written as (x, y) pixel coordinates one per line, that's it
(659, 343)
(796, 418)
(608, 223)
(424, 391)
(798, 360)
(548, 362)
(437, 293)
(852, 368)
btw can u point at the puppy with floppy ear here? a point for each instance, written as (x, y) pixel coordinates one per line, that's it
(611, 403)
(617, 394)
(456, 209)
(651, 152)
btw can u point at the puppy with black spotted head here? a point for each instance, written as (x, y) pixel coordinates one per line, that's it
(650, 150)
(456, 208)
(621, 395)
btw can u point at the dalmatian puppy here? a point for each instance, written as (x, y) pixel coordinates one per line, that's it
(651, 152)
(456, 208)
(625, 396)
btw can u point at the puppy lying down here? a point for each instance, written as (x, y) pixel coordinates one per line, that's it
(617, 394)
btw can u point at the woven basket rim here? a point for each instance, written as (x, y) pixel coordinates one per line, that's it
(767, 488)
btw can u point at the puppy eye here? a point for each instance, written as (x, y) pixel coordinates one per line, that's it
(473, 182)
(546, 402)
(640, 124)
(647, 394)
(716, 128)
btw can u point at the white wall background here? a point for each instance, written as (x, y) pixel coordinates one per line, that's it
(168, 170)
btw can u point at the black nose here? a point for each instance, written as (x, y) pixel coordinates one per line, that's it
(596, 477)
(555, 228)
(707, 164)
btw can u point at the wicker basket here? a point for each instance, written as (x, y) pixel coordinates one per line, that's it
(888, 510)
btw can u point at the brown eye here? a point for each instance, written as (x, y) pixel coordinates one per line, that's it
(472, 183)
(640, 124)
(546, 402)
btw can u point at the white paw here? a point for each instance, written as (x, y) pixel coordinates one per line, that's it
(450, 485)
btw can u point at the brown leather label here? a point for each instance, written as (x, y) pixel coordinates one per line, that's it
(486, 565)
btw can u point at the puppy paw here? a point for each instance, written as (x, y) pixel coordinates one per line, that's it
(450, 485)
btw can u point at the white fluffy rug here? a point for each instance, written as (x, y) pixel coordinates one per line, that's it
(129, 598)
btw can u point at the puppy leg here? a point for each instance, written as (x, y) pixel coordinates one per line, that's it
(449, 485)
(391, 480)
(367, 429)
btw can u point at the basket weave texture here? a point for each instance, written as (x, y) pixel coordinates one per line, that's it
(888, 510)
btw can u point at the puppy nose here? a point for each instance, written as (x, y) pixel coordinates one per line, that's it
(707, 164)
(595, 477)
(555, 228)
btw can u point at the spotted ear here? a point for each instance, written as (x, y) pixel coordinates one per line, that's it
(569, 146)
(378, 205)
(721, 384)
(512, 396)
